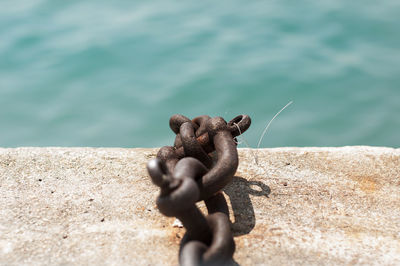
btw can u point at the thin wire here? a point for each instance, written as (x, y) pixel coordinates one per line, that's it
(266, 128)
(240, 134)
(245, 142)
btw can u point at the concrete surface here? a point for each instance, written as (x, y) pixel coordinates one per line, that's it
(297, 206)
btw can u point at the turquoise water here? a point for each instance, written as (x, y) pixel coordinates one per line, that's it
(111, 73)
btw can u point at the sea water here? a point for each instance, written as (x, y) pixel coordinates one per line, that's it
(111, 73)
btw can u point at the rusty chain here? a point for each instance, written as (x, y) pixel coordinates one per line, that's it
(201, 163)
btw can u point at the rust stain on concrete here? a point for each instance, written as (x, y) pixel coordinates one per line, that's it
(368, 184)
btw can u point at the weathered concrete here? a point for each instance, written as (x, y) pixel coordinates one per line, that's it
(297, 206)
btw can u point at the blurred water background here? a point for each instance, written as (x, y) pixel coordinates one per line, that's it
(111, 73)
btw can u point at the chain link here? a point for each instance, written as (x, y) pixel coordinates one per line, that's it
(201, 163)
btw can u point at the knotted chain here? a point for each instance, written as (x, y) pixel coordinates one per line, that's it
(201, 163)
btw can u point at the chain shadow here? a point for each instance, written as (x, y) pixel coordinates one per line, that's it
(239, 191)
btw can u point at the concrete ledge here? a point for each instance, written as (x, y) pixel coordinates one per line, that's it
(297, 206)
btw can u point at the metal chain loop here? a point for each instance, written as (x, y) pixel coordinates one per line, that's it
(201, 163)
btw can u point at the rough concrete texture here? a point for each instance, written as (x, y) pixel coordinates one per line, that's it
(297, 206)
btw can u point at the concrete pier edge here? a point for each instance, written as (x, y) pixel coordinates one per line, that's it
(307, 206)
